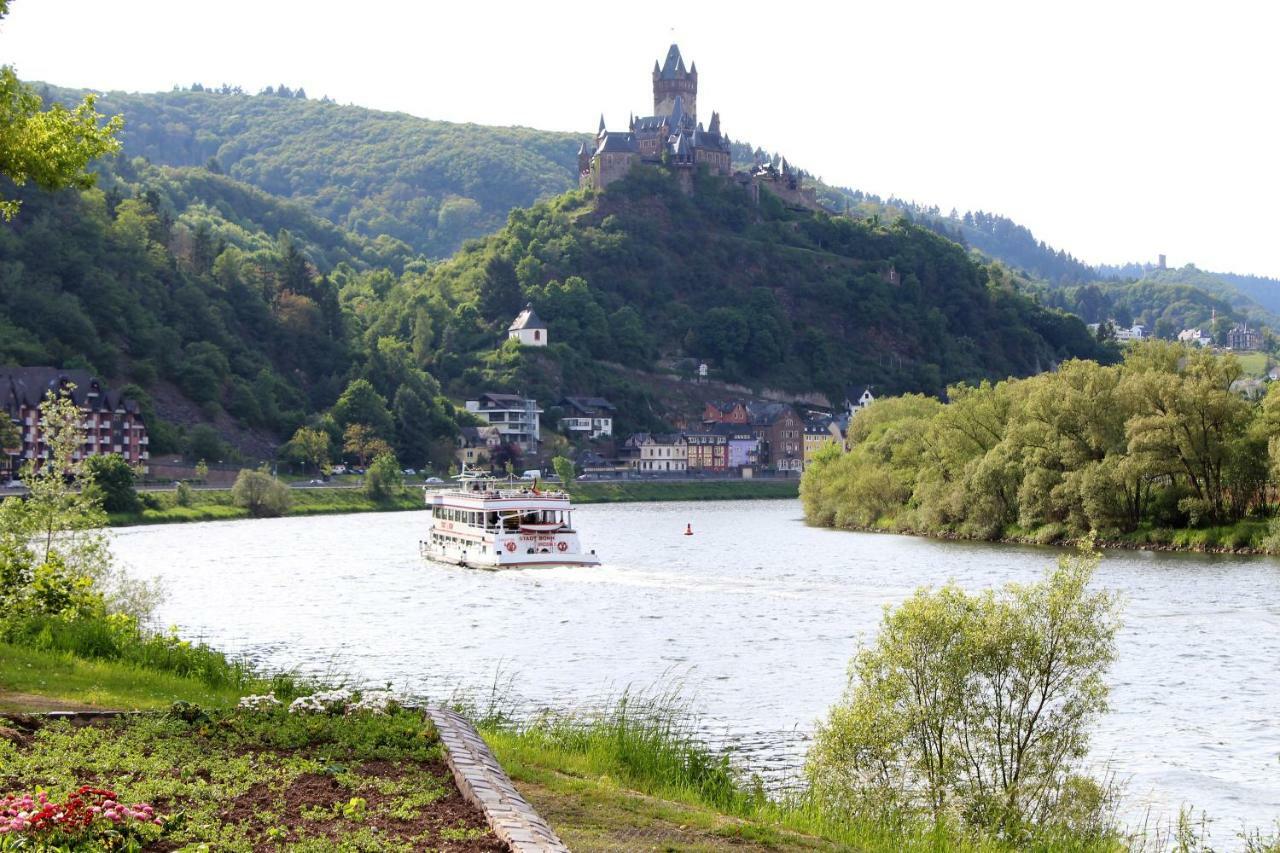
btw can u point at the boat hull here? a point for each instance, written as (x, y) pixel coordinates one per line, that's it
(479, 559)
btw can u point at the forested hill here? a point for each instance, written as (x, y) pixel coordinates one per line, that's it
(430, 184)
(801, 301)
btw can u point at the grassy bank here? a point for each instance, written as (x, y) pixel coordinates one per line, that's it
(633, 777)
(216, 505)
(710, 490)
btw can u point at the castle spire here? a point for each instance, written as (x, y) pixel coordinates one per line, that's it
(601, 130)
(715, 122)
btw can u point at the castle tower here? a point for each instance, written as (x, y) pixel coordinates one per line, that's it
(672, 80)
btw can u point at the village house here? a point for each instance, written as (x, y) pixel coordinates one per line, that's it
(707, 451)
(1241, 338)
(476, 445)
(732, 412)
(781, 434)
(742, 447)
(1196, 337)
(591, 417)
(665, 453)
(515, 417)
(528, 329)
(819, 432)
(112, 423)
(857, 398)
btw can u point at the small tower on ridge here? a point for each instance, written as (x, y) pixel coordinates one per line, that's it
(673, 80)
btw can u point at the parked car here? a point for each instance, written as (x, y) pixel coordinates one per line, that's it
(13, 484)
(409, 472)
(433, 480)
(531, 474)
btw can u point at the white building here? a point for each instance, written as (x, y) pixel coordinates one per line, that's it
(656, 452)
(589, 416)
(528, 329)
(859, 398)
(1133, 333)
(515, 417)
(1195, 336)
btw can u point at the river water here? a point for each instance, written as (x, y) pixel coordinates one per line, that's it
(755, 617)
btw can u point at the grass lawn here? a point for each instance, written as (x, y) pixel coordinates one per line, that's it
(241, 780)
(1253, 363)
(32, 680)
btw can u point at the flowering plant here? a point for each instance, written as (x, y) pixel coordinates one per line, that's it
(324, 702)
(267, 702)
(89, 813)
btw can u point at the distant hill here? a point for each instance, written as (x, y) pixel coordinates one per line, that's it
(430, 184)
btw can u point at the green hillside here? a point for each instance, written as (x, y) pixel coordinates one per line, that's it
(220, 305)
(430, 184)
(643, 274)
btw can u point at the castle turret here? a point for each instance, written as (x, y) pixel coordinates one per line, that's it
(673, 80)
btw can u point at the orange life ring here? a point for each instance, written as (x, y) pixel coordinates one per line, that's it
(511, 546)
(563, 546)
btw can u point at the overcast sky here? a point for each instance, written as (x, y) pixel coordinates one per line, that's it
(1116, 130)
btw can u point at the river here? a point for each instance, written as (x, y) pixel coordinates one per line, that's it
(756, 616)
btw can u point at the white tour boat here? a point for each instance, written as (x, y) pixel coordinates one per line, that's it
(491, 523)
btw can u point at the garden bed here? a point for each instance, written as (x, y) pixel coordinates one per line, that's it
(239, 780)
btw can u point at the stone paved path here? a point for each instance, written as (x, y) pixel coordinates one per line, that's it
(482, 781)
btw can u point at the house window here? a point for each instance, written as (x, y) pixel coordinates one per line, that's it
(537, 334)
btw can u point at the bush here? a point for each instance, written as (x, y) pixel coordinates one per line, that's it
(383, 478)
(260, 493)
(184, 496)
(112, 480)
(977, 707)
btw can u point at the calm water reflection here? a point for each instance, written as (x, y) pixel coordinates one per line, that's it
(756, 613)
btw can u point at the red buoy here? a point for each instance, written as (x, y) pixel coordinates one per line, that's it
(688, 530)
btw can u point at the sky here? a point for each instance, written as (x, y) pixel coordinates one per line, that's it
(1115, 130)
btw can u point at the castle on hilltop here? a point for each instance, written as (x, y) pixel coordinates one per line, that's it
(673, 137)
(672, 134)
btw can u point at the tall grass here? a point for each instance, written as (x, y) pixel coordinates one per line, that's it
(648, 742)
(120, 640)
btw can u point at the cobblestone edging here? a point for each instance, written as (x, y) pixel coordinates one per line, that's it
(483, 782)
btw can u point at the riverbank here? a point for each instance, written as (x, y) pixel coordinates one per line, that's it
(216, 504)
(629, 777)
(625, 491)
(1246, 537)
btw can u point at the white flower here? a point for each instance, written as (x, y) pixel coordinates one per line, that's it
(259, 703)
(325, 702)
(376, 702)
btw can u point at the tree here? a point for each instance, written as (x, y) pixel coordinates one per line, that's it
(53, 549)
(52, 147)
(310, 447)
(359, 441)
(564, 470)
(977, 705)
(383, 478)
(413, 427)
(110, 479)
(360, 403)
(260, 493)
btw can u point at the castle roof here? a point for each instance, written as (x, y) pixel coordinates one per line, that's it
(673, 68)
(617, 143)
(527, 319)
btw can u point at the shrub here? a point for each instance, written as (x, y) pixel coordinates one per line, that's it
(111, 479)
(184, 496)
(976, 706)
(383, 477)
(260, 493)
